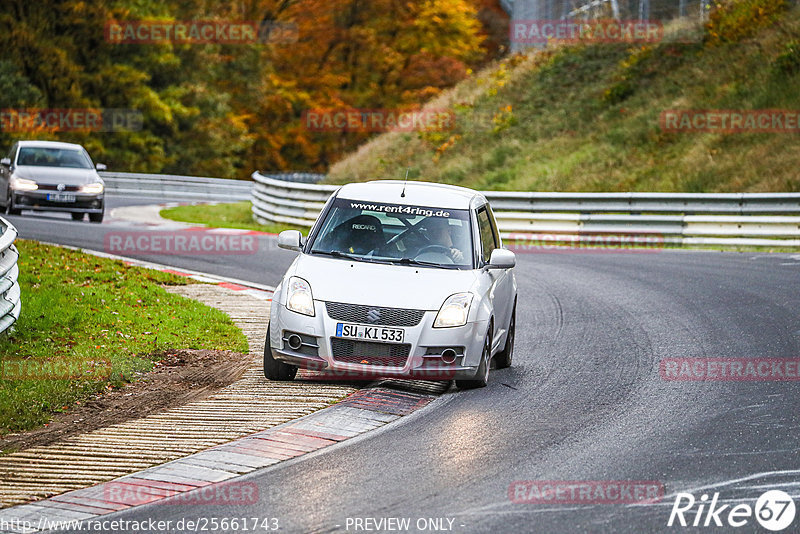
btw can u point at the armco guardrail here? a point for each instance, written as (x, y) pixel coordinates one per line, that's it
(757, 219)
(188, 187)
(10, 303)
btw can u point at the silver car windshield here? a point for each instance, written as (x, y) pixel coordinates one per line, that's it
(396, 233)
(53, 157)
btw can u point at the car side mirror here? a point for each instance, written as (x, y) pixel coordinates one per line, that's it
(101, 167)
(6, 162)
(290, 240)
(502, 259)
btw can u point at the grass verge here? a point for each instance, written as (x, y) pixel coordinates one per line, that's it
(90, 324)
(226, 215)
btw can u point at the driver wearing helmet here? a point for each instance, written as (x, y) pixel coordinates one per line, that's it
(438, 233)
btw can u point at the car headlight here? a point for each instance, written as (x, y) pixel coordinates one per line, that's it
(23, 184)
(298, 296)
(94, 188)
(454, 311)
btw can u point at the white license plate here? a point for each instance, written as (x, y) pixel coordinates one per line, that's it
(61, 197)
(369, 333)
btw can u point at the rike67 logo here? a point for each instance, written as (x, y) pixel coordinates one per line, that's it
(774, 510)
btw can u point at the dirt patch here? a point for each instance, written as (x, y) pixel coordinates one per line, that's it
(181, 376)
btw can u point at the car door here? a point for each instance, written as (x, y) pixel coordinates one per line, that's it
(500, 290)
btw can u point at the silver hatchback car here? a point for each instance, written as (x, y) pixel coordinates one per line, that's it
(396, 279)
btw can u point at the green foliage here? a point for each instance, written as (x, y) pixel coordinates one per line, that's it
(733, 20)
(228, 109)
(788, 62)
(586, 118)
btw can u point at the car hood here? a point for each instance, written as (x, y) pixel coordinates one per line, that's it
(395, 286)
(57, 175)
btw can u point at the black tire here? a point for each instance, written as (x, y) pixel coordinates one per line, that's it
(273, 369)
(10, 209)
(77, 216)
(504, 357)
(482, 374)
(96, 217)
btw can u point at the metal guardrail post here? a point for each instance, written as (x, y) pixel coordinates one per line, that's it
(10, 302)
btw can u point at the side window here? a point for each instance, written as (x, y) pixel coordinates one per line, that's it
(497, 241)
(12, 152)
(487, 233)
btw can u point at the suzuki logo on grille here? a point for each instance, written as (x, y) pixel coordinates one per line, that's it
(373, 316)
(61, 187)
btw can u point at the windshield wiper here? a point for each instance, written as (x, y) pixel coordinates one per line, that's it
(412, 261)
(338, 254)
(335, 254)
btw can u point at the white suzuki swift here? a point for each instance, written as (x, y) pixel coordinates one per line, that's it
(396, 279)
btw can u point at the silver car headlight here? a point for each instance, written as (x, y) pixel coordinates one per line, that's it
(23, 184)
(95, 188)
(454, 311)
(298, 296)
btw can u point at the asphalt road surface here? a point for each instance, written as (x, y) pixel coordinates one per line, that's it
(584, 401)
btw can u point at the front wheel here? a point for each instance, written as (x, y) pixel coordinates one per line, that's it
(482, 375)
(96, 217)
(10, 209)
(77, 216)
(503, 358)
(273, 369)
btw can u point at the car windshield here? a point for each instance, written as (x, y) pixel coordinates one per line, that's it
(396, 233)
(54, 157)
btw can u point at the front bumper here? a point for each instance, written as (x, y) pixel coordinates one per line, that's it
(423, 362)
(37, 201)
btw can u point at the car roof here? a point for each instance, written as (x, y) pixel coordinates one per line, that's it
(426, 194)
(50, 144)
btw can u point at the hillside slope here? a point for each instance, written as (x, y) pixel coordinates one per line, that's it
(586, 117)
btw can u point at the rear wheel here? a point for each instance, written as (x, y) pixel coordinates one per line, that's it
(503, 358)
(273, 369)
(77, 216)
(482, 375)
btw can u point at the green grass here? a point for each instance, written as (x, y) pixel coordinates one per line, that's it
(227, 215)
(586, 117)
(87, 312)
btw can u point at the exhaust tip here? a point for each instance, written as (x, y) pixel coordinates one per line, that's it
(295, 342)
(449, 356)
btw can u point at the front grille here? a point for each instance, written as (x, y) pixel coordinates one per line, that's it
(358, 313)
(385, 354)
(53, 187)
